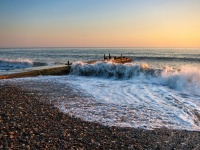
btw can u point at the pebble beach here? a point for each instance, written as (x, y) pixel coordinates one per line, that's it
(30, 121)
(100, 75)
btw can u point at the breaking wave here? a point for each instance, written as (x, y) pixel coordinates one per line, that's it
(185, 79)
(111, 70)
(11, 64)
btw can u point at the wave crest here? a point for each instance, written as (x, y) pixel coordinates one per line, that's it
(10, 64)
(186, 78)
(111, 70)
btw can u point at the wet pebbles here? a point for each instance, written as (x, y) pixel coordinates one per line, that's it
(27, 121)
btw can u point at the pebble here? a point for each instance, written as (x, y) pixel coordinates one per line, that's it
(30, 121)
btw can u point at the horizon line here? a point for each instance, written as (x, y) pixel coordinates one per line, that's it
(87, 47)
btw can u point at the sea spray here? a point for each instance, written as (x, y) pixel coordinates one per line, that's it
(185, 79)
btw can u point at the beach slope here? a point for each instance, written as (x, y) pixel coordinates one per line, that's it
(29, 121)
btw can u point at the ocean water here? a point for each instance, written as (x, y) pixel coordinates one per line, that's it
(157, 58)
(159, 88)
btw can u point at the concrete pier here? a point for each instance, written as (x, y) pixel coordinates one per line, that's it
(36, 71)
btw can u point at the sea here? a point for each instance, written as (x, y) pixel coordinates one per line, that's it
(160, 88)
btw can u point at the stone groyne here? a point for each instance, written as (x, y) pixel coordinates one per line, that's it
(36, 71)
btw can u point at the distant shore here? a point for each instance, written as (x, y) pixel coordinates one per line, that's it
(29, 121)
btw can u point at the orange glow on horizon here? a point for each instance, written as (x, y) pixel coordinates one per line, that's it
(123, 24)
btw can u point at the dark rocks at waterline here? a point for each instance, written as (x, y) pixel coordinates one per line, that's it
(29, 121)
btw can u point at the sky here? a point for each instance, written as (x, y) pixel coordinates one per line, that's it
(99, 23)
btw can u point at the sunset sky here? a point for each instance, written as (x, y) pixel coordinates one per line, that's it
(100, 23)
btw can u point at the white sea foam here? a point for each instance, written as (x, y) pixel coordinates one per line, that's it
(10, 64)
(142, 101)
(138, 103)
(20, 60)
(187, 79)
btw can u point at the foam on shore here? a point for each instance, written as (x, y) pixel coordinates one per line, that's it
(136, 102)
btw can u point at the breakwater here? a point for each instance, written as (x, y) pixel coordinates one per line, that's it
(36, 71)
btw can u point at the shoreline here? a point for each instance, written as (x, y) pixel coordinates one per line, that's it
(29, 121)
